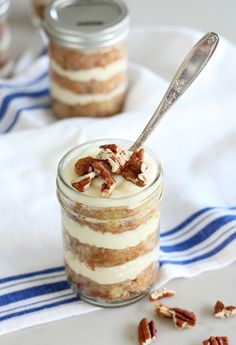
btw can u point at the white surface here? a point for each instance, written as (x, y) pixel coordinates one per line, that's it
(118, 326)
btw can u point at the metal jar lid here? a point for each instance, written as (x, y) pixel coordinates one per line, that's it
(4, 7)
(86, 24)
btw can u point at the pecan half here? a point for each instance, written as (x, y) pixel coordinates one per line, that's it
(134, 169)
(82, 183)
(222, 311)
(105, 174)
(216, 341)
(161, 293)
(84, 166)
(182, 318)
(146, 332)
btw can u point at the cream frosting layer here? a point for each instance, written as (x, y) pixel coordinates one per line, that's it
(132, 238)
(111, 275)
(96, 73)
(67, 97)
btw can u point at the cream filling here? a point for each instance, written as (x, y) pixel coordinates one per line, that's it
(5, 41)
(111, 275)
(132, 238)
(67, 97)
(96, 73)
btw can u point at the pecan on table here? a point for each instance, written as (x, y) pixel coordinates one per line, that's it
(161, 293)
(216, 341)
(222, 311)
(146, 332)
(182, 318)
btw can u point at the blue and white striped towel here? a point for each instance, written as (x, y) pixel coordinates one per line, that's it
(196, 144)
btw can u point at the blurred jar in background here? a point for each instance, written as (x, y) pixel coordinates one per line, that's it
(5, 40)
(88, 56)
(39, 8)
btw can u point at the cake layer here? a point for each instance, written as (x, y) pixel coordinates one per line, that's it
(70, 98)
(86, 235)
(95, 73)
(72, 59)
(93, 109)
(113, 292)
(116, 226)
(94, 256)
(89, 87)
(111, 275)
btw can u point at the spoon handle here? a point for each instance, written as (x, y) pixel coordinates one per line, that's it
(187, 72)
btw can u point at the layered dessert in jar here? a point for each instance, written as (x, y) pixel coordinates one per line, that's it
(110, 203)
(5, 40)
(88, 57)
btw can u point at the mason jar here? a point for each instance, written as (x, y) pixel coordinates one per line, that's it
(5, 40)
(111, 245)
(88, 56)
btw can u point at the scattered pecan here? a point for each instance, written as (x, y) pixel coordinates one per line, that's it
(84, 166)
(105, 174)
(161, 293)
(134, 169)
(82, 183)
(182, 318)
(216, 341)
(113, 147)
(146, 332)
(222, 311)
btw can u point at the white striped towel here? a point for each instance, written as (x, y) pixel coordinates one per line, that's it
(196, 143)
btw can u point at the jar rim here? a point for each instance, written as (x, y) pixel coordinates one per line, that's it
(72, 36)
(112, 201)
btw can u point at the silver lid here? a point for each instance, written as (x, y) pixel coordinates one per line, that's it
(87, 24)
(4, 7)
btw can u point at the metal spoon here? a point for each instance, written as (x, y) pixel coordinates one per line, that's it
(187, 72)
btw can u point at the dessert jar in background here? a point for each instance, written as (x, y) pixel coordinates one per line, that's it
(5, 40)
(88, 56)
(111, 243)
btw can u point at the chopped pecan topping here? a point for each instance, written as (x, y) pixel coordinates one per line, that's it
(134, 169)
(84, 166)
(216, 341)
(223, 311)
(182, 318)
(82, 183)
(161, 293)
(114, 156)
(146, 332)
(105, 174)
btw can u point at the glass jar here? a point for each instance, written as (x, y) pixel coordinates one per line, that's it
(111, 245)
(5, 40)
(88, 56)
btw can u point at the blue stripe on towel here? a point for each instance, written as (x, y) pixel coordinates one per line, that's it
(32, 274)
(201, 236)
(33, 310)
(19, 111)
(212, 252)
(32, 82)
(31, 292)
(9, 98)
